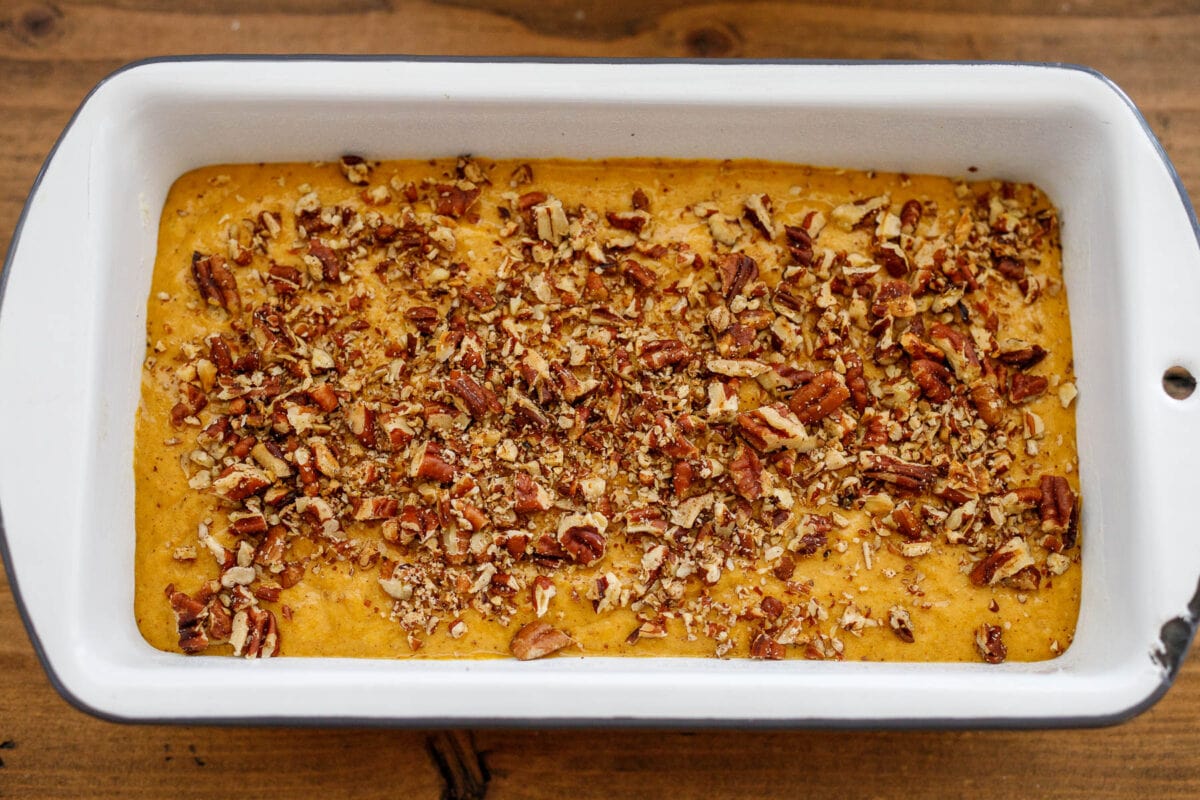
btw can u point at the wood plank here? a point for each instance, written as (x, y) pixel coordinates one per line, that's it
(52, 53)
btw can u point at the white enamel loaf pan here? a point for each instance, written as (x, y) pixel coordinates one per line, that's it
(72, 334)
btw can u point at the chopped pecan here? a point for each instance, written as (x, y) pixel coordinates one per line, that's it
(360, 418)
(239, 481)
(193, 403)
(632, 221)
(262, 639)
(1028, 579)
(988, 403)
(216, 282)
(366, 509)
(323, 395)
(918, 348)
(1009, 267)
(538, 639)
(799, 244)
(736, 270)
(934, 380)
(910, 216)
(529, 495)
(989, 639)
(429, 464)
(892, 258)
(479, 400)
(758, 213)
(905, 474)
(747, 472)
(665, 352)
(773, 427)
(820, 397)
(1025, 387)
(582, 536)
(959, 351)
(856, 382)
(424, 318)
(772, 607)
(248, 524)
(764, 647)
(901, 624)
(894, 298)
(331, 262)
(481, 299)
(356, 169)
(452, 201)
(1012, 557)
(1019, 354)
(1057, 506)
(639, 274)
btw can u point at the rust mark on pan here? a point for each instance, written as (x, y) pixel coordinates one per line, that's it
(1175, 636)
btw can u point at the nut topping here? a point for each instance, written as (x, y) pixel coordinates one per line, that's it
(486, 404)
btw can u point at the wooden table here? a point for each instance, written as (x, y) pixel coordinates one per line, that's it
(51, 53)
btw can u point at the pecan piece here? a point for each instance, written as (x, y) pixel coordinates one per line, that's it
(356, 169)
(856, 382)
(428, 464)
(892, 258)
(365, 509)
(262, 636)
(331, 262)
(424, 318)
(933, 378)
(988, 403)
(736, 270)
(989, 639)
(216, 283)
(774, 427)
(910, 216)
(1025, 387)
(481, 299)
(193, 403)
(758, 213)
(799, 244)
(479, 400)
(239, 481)
(665, 352)
(747, 472)
(640, 275)
(1011, 558)
(1019, 354)
(538, 639)
(582, 536)
(905, 474)
(529, 495)
(820, 397)
(453, 201)
(1009, 267)
(764, 647)
(323, 395)
(360, 418)
(894, 298)
(632, 221)
(1057, 506)
(901, 623)
(959, 351)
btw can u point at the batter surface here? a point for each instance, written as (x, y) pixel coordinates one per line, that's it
(469, 408)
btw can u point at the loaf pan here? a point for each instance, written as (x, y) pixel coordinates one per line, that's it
(72, 339)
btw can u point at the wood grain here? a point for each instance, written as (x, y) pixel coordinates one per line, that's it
(52, 53)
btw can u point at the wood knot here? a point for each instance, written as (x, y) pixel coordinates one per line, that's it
(37, 25)
(713, 41)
